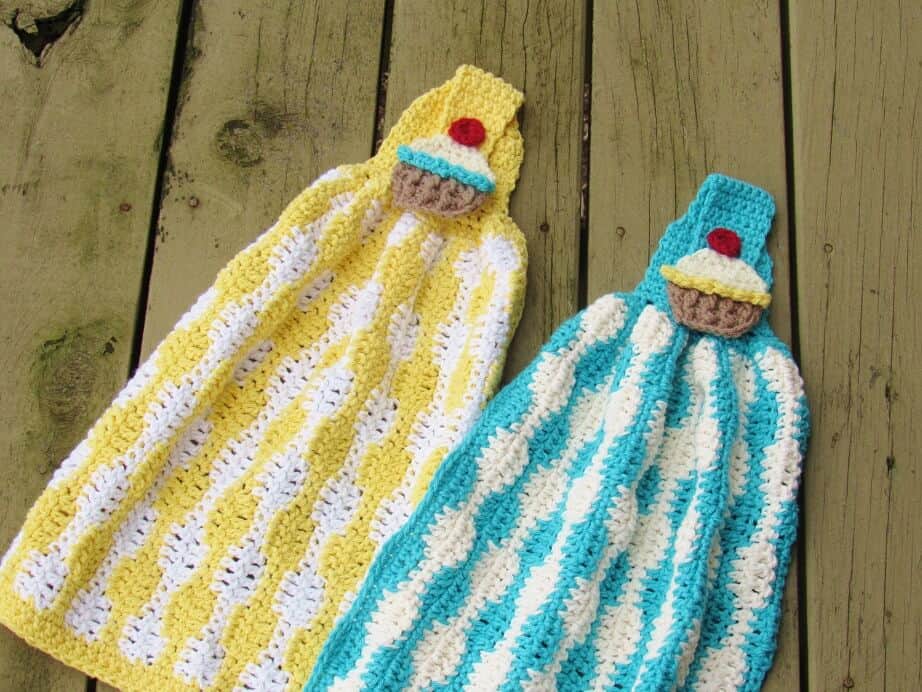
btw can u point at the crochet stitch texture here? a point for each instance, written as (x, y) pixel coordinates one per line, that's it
(221, 513)
(620, 517)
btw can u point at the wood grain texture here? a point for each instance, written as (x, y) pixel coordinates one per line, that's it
(82, 103)
(856, 76)
(680, 90)
(273, 94)
(538, 47)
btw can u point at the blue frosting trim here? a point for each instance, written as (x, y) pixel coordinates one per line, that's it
(446, 169)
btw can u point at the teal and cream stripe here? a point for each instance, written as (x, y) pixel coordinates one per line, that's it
(619, 518)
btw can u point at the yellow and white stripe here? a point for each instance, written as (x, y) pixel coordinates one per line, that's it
(217, 518)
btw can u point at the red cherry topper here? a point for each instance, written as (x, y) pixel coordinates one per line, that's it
(467, 131)
(725, 241)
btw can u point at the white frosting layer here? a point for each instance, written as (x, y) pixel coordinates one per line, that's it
(729, 271)
(445, 147)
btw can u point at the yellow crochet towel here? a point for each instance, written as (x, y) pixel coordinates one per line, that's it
(221, 514)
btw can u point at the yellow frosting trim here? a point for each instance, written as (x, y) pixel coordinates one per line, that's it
(714, 287)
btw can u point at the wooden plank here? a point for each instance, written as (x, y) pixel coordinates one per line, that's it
(680, 90)
(856, 75)
(273, 94)
(538, 47)
(83, 90)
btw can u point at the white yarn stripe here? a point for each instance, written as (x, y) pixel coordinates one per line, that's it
(752, 578)
(688, 649)
(489, 334)
(328, 176)
(436, 658)
(372, 219)
(708, 442)
(551, 384)
(739, 458)
(620, 627)
(91, 607)
(650, 336)
(185, 548)
(431, 430)
(301, 591)
(402, 229)
(202, 304)
(430, 250)
(492, 330)
(496, 256)
(312, 291)
(581, 608)
(243, 565)
(251, 361)
(393, 511)
(42, 575)
(744, 382)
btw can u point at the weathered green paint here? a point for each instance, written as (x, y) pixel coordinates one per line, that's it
(259, 117)
(83, 90)
(856, 70)
(271, 95)
(71, 373)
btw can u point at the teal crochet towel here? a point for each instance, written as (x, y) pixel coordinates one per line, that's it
(622, 514)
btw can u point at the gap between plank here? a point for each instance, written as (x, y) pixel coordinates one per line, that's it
(384, 63)
(582, 290)
(787, 92)
(180, 52)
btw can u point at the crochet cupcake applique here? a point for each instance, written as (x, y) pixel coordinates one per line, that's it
(712, 290)
(446, 174)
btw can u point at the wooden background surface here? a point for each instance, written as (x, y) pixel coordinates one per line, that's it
(144, 142)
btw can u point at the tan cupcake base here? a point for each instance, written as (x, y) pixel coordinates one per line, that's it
(414, 188)
(709, 313)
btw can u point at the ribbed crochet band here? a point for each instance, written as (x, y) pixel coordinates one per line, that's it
(721, 202)
(474, 91)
